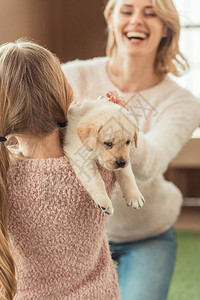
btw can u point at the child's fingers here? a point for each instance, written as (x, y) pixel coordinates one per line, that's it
(115, 98)
(119, 101)
(112, 93)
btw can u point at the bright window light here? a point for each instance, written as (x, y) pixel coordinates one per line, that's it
(190, 43)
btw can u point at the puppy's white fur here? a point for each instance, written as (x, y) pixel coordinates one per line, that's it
(101, 131)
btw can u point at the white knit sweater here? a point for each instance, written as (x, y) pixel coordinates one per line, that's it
(167, 115)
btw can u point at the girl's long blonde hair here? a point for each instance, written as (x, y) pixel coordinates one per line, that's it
(34, 99)
(169, 59)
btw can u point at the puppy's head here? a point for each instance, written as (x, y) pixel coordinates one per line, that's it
(110, 133)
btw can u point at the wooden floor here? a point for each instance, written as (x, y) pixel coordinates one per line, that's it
(189, 219)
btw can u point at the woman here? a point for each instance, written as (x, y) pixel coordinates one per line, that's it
(49, 226)
(142, 50)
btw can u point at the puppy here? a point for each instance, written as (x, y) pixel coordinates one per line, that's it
(102, 131)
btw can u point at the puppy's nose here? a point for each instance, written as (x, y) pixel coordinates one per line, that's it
(121, 163)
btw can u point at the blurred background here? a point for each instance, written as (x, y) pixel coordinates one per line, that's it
(74, 29)
(70, 28)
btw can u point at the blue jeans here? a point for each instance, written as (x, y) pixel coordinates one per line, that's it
(145, 267)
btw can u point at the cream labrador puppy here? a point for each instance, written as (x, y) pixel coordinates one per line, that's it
(102, 131)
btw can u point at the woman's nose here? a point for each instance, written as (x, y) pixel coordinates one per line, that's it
(136, 18)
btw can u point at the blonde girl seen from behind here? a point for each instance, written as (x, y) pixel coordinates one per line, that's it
(34, 99)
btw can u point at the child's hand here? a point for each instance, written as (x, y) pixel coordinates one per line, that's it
(114, 97)
(73, 104)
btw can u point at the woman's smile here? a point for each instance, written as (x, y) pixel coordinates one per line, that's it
(136, 37)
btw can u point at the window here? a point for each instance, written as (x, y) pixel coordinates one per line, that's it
(190, 43)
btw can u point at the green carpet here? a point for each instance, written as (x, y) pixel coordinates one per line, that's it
(186, 279)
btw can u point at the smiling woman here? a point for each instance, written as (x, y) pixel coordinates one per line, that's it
(142, 50)
(136, 25)
(148, 22)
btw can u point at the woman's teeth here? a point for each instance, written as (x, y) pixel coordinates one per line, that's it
(136, 35)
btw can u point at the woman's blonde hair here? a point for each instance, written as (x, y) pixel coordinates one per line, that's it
(34, 99)
(169, 59)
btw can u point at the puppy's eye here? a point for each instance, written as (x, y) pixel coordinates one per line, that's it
(128, 142)
(109, 144)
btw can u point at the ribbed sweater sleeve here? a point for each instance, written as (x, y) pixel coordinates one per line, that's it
(170, 130)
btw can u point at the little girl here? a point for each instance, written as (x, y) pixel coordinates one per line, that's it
(51, 232)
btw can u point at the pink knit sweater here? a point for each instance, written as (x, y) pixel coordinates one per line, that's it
(57, 232)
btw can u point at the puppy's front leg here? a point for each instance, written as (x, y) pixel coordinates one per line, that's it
(128, 185)
(90, 177)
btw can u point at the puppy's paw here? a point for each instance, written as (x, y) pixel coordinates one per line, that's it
(136, 201)
(107, 209)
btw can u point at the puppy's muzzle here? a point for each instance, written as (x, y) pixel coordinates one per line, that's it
(120, 163)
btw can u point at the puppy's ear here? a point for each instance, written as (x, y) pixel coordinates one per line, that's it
(87, 133)
(136, 137)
